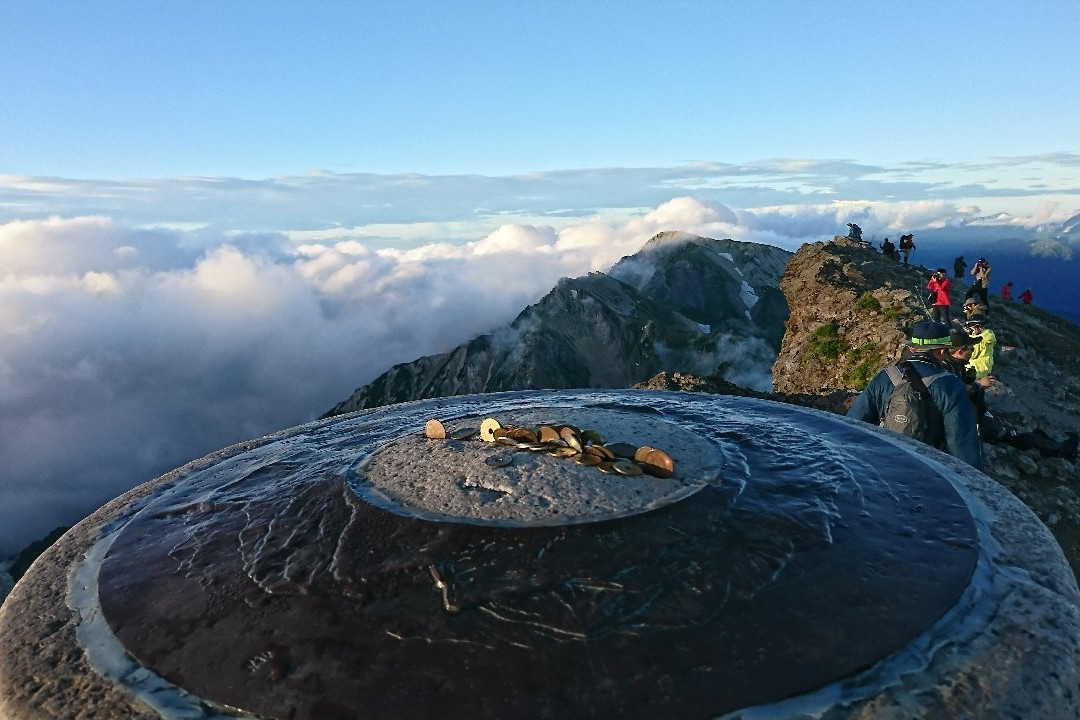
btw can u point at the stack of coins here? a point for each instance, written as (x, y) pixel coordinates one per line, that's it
(584, 447)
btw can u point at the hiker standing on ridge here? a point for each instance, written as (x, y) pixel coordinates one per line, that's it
(1026, 297)
(907, 244)
(958, 268)
(939, 286)
(951, 419)
(888, 249)
(982, 355)
(981, 286)
(854, 231)
(1006, 291)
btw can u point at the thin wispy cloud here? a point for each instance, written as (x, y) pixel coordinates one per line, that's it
(458, 208)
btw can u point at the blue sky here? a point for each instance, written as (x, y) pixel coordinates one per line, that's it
(217, 219)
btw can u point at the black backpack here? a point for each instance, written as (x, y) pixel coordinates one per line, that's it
(910, 410)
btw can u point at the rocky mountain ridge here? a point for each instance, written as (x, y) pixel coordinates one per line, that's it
(850, 310)
(681, 303)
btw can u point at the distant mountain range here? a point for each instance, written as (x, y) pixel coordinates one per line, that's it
(682, 303)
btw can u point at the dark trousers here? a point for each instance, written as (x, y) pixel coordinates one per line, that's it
(940, 313)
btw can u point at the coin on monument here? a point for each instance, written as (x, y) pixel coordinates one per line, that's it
(501, 459)
(488, 428)
(434, 430)
(642, 451)
(626, 467)
(548, 434)
(659, 464)
(622, 449)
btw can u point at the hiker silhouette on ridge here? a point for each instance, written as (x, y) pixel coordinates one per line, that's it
(907, 244)
(958, 268)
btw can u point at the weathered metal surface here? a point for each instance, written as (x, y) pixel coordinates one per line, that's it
(790, 549)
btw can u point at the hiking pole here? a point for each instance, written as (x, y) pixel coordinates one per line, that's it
(922, 299)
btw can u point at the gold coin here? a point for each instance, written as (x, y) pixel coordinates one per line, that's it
(642, 451)
(591, 437)
(434, 430)
(565, 430)
(606, 467)
(548, 434)
(625, 467)
(573, 441)
(659, 464)
(508, 441)
(563, 452)
(586, 459)
(488, 428)
(522, 434)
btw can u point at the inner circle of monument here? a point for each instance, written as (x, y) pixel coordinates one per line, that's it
(782, 555)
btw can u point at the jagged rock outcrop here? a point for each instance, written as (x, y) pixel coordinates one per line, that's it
(682, 303)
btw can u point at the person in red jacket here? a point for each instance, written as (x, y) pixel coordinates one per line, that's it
(1006, 291)
(939, 286)
(1026, 297)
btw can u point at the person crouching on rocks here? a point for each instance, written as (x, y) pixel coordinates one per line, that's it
(939, 286)
(926, 353)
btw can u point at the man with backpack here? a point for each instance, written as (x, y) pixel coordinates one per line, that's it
(921, 398)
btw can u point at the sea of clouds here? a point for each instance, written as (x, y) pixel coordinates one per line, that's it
(126, 351)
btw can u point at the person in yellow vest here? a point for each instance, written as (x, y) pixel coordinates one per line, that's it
(982, 358)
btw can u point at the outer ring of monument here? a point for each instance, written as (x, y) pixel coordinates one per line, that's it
(1013, 652)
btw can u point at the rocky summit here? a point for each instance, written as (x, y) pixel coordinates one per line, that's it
(850, 311)
(682, 303)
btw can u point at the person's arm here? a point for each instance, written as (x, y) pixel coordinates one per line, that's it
(867, 404)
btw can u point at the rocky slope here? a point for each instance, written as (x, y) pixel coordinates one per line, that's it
(850, 308)
(682, 303)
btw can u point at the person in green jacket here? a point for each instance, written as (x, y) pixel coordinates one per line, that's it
(982, 358)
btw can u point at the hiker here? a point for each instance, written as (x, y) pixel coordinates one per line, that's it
(1006, 291)
(972, 307)
(994, 430)
(939, 287)
(1026, 297)
(958, 268)
(854, 231)
(888, 249)
(980, 287)
(907, 244)
(952, 420)
(982, 355)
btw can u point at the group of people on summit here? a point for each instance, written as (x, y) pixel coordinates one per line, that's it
(937, 392)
